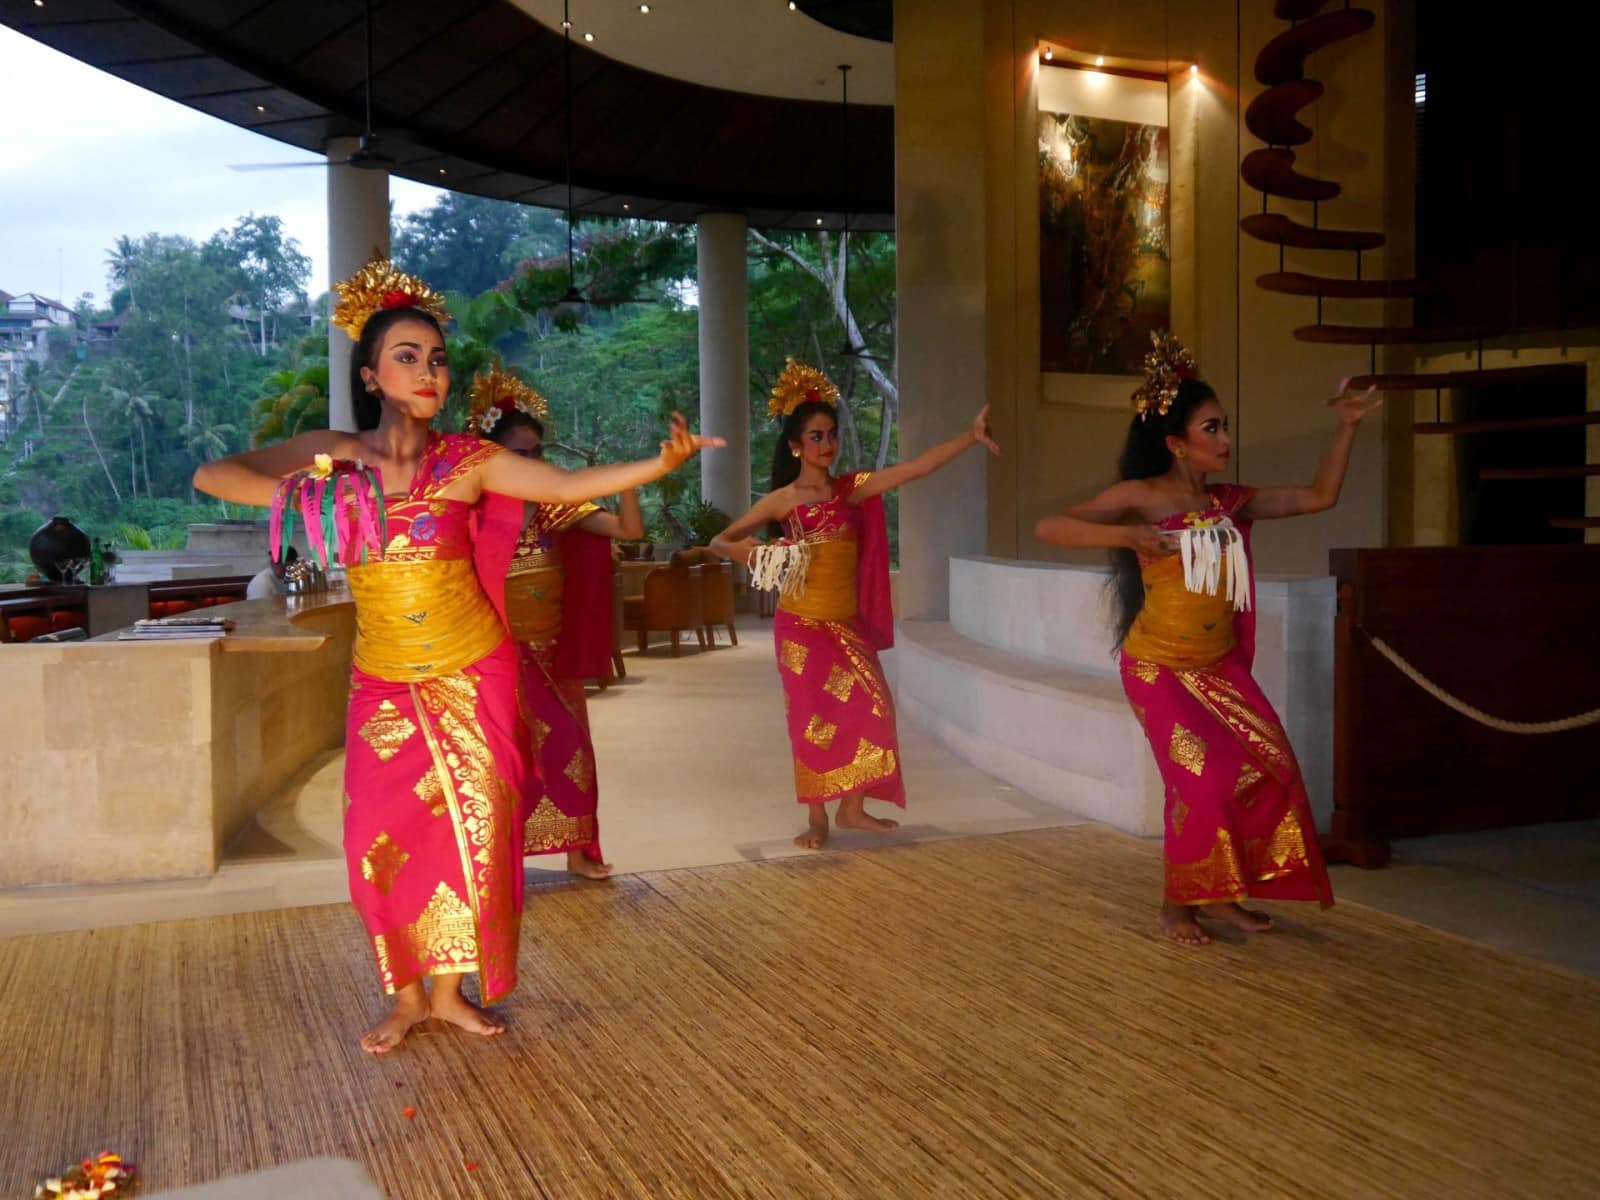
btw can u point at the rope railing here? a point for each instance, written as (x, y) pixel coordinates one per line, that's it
(1579, 721)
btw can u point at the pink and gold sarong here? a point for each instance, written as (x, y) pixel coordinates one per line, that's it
(1237, 821)
(840, 711)
(435, 757)
(562, 796)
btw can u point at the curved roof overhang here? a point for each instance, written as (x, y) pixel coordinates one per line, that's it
(467, 94)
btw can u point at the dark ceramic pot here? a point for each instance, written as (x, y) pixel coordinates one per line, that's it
(55, 542)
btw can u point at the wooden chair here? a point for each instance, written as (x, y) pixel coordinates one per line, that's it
(716, 598)
(619, 669)
(671, 603)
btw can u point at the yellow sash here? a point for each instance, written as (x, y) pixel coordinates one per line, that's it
(1176, 627)
(420, 620)
(830, 591)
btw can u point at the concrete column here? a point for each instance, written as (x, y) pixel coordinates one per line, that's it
(942, 276)
(358, 228)
(723, 276)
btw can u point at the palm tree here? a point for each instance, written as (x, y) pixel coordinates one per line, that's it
(205, 441)
(125, 390)
(292, 401)
(121, 261)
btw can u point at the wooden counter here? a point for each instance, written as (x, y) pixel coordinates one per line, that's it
(126, 760)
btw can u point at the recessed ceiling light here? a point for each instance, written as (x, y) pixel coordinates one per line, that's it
(819, 220)
(791, 4)
(1194, 68)
(1049, 53)
(1100, 61)
(626, 207)
(259, 107)
(588, 37)
(442, 171)
(40, 4)
(565, 24)
(644, 8)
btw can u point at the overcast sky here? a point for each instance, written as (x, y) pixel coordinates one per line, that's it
(86, 157)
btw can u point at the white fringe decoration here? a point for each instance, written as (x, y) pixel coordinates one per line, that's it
(1205, 549)
(780, 567)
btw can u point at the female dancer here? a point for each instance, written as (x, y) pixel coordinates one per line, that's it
(1237, 820)
(841, 715)
(558, 608)
(434, 747)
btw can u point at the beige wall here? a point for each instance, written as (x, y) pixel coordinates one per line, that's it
(1062, 433)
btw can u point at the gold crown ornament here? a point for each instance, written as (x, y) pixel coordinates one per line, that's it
(496, 392)
(377, 286)
(1166, 366)
(799, 383)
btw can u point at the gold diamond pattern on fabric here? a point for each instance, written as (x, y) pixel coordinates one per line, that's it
(382, 862)
(1219, 876)
(443, 940)
(820, 733)
(549, 829)
(871, 764)
(580, 770)
(1249, 776)
(864, 661)
(1264, 738)
(431, 792)
(1146, 672)
(480, 805)
(538, 731)
(1188, 750)
(1180, 813)
(1281, 852)
(386, 730)
(840, 681)
(793, 656)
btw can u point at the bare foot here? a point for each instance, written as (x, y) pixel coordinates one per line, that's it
(580, 865)
(410, 1009)
(1177, 922)
(1243, 918)
(853, 815)
(815, 836)
(450, 1005)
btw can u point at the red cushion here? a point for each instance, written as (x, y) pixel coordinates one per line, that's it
(25, 628)
(69, 618)
(169, 608)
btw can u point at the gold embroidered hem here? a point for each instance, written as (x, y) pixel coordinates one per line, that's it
(872, 764)
(550, 830)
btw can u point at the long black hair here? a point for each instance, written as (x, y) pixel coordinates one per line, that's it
(515, 418)
(1144, 456)
(785, 462)
(369, 407)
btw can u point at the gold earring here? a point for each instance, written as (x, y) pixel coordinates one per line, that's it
(1180, 452)
(372, 386)
(793, 452)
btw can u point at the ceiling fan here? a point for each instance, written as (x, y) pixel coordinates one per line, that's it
(367, 155)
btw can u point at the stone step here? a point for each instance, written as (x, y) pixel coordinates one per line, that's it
(1064, 735)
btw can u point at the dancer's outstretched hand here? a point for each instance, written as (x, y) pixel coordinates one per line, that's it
(982, 434)
(682, 445)
(1353, 406)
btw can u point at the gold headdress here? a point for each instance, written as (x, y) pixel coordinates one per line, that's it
(799, 383)
(496, 392)
(379, 285)
(1166, 366)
